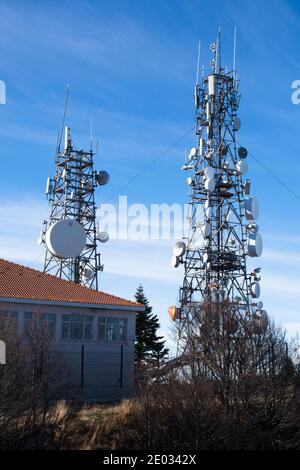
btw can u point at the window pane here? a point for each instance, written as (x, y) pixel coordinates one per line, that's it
(88, 318)
(65, 317)
(88, 331)
(101, 320)
(65, 330)
(77, 318)
(52, 316)
(101, 332)
(113, 321)
(123, 333)
(76, 331)
(52, 328)
(28, 315)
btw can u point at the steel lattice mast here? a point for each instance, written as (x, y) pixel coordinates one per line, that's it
(71, 195)
(221, 216)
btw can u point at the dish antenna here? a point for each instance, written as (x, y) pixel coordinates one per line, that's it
(102, 177)
(65, 238)
(103, 237)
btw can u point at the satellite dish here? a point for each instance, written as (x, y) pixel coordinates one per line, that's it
(210, 185)
(87, 273)
(243, 152)
(175, 262)
(173, 312)
(208, 212)
(179, 248)
(252, 227)
(209, 172)
(255, 290)
(255, 244)
(189, 181)
(260, 304)
(65, 238)
(102, 177)
(103, 237)
(206, 229)
(193, 152)
(242, 167)
(205, 257)
(207, 204)
(236, 123)
(206, 243)
(226, 165)
(251, 208)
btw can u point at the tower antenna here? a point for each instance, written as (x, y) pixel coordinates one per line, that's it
(198, 62)
(91, 132)
(218, 287)
(63, 118)
(234, 52)
(218, 59)
(71, 235)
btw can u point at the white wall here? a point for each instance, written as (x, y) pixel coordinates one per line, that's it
(102, 359)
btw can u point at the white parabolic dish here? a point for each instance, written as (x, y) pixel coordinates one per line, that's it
(251, 208)
(179, 248)
(255, 244)
(65, 238)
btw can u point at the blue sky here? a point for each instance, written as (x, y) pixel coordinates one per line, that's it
(131, 65)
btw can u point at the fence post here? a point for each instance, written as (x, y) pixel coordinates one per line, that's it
(121, 366)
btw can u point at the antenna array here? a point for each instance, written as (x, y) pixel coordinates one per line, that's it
(222, 215)
(71, 235)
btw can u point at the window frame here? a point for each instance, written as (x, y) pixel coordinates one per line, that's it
(83, 322)
(41, 319)
(107, 323)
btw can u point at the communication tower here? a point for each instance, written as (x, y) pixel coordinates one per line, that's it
(222, 215)
(71, 234)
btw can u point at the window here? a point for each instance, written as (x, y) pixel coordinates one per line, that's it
(112, 329)
(40, 321)
(8, 317)
(76, 326)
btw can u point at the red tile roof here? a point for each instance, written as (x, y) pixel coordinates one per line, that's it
(21, 282)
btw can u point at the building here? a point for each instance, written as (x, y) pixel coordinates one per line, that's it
(94, 332)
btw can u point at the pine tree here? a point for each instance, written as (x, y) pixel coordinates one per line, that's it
(149, 347)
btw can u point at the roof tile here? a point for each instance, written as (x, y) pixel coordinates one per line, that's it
(36, 285)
